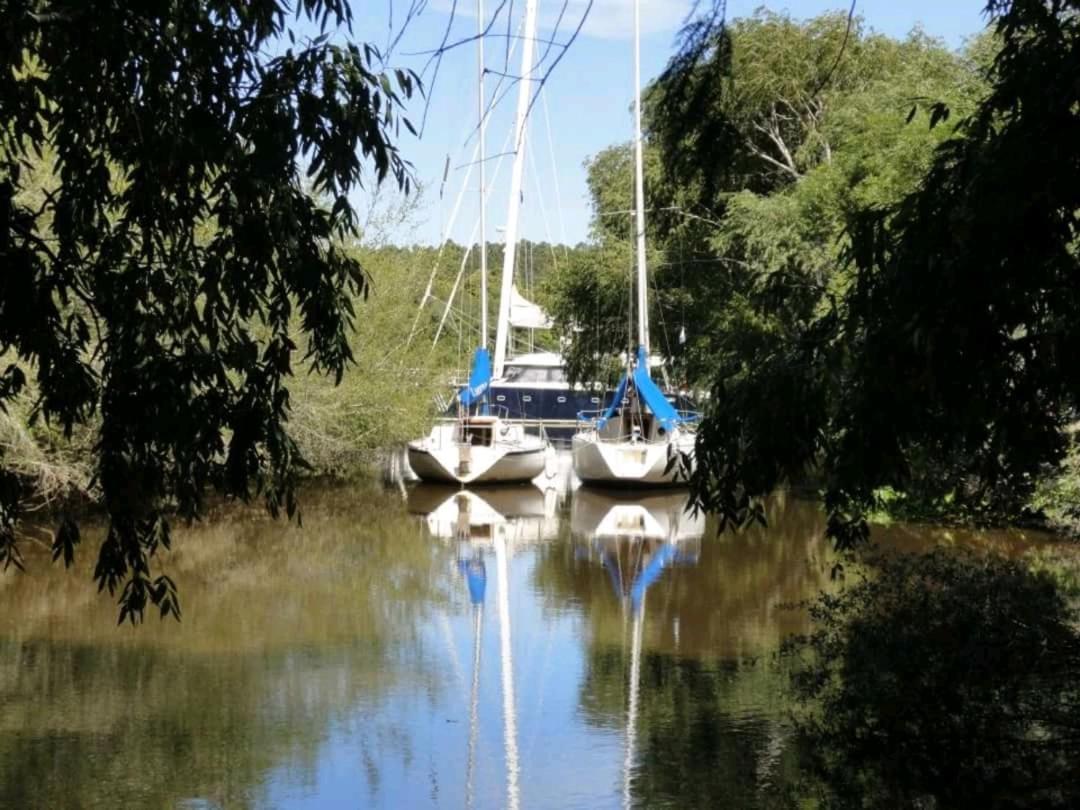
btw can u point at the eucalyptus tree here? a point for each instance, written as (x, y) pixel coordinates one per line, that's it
(148, 286)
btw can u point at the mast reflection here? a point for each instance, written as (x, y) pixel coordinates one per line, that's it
(501, 520)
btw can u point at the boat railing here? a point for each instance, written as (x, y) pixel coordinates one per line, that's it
(590, 420)
(586, 418)
(500, 411)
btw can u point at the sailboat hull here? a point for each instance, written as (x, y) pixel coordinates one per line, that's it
(479, 450)
(629, 464)
(487, 467)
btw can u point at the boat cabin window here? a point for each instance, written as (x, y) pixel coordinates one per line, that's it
(526, 374)
(478, 435)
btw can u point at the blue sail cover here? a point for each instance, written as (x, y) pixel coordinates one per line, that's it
(479, 379)
(648, 391)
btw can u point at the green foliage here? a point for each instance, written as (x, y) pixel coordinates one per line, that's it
(891, 301)
(767, 138)
(153, 284)
(945, 680)
(964, 308)
(1057, 495)
(388, 396)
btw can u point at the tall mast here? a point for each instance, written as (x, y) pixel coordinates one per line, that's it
(483, 176)
(639, 191)
(502, 332)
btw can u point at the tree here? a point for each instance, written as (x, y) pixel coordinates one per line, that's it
(758, 154)
(149, 285)
(940, 367)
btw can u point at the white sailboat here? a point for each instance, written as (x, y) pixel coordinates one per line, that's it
(481, 446)
(640, 439)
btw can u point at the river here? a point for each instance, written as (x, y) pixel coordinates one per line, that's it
(422, 647)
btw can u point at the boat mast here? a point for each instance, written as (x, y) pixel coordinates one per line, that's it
(639, 191)
(502, 333)
(483, 176)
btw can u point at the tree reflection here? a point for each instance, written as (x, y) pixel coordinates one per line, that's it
(287, 634)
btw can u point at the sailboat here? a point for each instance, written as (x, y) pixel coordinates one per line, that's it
(481, 445)
(640, 439)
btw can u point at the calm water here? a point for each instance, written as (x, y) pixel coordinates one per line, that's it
(422, 647)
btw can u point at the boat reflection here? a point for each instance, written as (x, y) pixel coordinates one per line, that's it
(501, 520)
(518, 515)
(636, 539)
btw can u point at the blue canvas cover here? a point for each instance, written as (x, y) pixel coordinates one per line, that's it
(649, 392)
(479, 379)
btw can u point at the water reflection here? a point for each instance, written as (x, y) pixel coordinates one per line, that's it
(290, 636)
(499, 521)
(423, 647)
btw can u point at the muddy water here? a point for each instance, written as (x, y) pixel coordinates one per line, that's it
(424, 647)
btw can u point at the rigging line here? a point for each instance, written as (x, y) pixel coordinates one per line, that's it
(437, 55)
(660, 315)
(840, 55)
(550, 68)
(446, 236)
(495, 97)
(514, 37)
(555, 179)
(442, 247)
(464, 259)
(543, 207)
(453, 290)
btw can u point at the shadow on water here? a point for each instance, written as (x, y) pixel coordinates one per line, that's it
(427, 646)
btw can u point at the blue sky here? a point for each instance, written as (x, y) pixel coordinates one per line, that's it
(586, 101)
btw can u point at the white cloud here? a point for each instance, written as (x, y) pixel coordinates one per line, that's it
(608, 19)
(614, 19)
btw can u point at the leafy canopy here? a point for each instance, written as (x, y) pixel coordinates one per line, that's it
(915, 331)
(149, 286)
